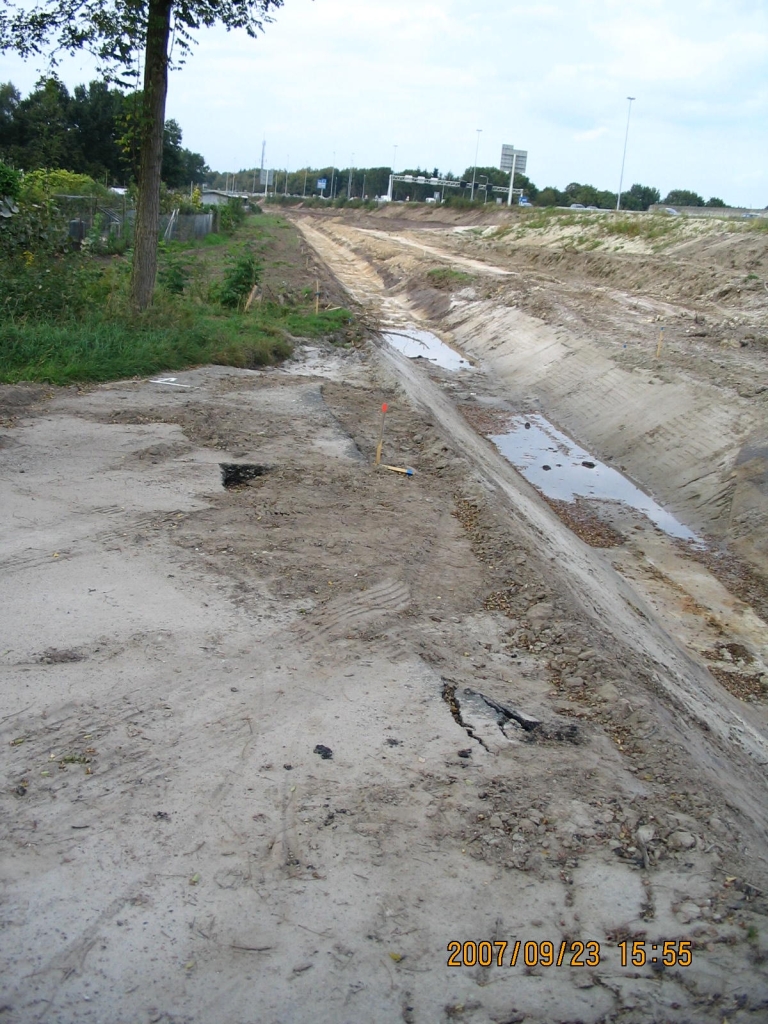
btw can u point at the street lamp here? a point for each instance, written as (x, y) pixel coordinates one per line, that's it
(624, 157)
(474, 169)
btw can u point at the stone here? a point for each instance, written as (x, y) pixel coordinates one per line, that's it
(682, 840)
(645, 833)
(495, 821)
(540, 613)
(688, 912)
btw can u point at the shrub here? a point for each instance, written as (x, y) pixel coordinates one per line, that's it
(231, 216)
(241, 274)
(40, 186)
(10, 182)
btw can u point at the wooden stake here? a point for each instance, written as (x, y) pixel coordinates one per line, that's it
(381, 434)
(317, 297)
(661, 342)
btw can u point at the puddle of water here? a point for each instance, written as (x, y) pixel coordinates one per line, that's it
(560, 469)
(417, 344)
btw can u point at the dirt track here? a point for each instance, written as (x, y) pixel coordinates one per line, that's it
(526, 741)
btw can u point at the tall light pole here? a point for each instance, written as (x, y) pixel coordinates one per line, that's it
(394, 160)
(624, 157)
(349, 182)
(474, 169)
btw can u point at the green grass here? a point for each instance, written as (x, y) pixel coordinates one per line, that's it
(445, 277)
(66, 321)
(98, 350)
(649, 227)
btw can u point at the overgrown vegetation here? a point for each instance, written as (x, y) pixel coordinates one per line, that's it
(65, 315)
(446, 278)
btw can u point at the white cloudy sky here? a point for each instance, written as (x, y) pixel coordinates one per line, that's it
(352, 77)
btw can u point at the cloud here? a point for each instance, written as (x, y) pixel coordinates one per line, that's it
(591, 135)
(551, 77)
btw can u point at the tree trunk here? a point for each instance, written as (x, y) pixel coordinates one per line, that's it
(144, 268)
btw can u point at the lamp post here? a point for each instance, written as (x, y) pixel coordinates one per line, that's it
(474, 169)
(624, 157)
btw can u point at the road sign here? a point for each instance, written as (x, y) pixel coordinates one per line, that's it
(266, 177)
(508, 154)
(322, 183)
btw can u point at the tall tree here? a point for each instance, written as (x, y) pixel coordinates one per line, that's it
(683, 197)
(116, 31)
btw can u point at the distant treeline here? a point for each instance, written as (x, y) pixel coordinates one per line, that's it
(91, 131)
(94, 131)
(370, 182)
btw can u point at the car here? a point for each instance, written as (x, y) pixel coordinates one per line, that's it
(671, 212)
(578, 206)
(593, 207)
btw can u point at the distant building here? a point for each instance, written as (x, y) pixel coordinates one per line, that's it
(218, 197)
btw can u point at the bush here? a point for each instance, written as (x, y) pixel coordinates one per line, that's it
(231, 216)
(40, 287)
(174, 272)
(241, 274)
(40, 186)
(10, 182)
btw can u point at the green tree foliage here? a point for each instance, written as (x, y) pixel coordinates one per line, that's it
(10, 182)
(682, 197)
(639, 197)
(714, 201)
(117, 32)
(550, 196)
(94, 131)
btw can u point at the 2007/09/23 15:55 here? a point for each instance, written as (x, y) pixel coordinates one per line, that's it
(635, 953)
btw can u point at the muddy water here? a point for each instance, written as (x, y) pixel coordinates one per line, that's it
(418, 344)
(561, 469)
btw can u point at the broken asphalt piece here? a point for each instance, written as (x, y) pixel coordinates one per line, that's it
(467, 752)
(391, 742)
(325, 752)
(161, 816)
(528, 722)
(589, 465)
(565, 732)
(235, 474)
(546, 467)
(288, 767)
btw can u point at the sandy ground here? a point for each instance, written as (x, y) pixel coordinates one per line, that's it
(269, 750)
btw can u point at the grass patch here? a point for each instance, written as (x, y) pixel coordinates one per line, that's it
(446, 278)
(66, 320)
(643, 226)
(95, 350)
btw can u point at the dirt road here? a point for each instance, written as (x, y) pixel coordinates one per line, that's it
(270, 749)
